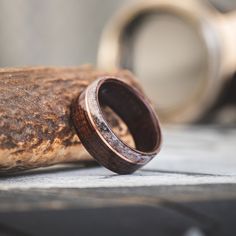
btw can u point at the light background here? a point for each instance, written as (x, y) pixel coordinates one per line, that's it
(55, 32)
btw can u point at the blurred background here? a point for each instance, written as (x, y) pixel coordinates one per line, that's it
(186, 63)
(52, 32)
(57, 32)
(166, 53)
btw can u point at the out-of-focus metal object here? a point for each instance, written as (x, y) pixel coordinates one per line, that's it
(183, 53)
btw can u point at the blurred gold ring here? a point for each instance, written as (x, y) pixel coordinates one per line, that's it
(216, 33)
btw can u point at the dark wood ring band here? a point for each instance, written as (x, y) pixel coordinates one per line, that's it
(97, 136)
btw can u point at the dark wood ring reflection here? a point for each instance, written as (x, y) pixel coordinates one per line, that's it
(96, 134)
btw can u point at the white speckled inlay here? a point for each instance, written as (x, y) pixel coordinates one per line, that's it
(106, 132)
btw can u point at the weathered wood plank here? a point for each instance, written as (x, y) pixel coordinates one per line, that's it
(173, 210)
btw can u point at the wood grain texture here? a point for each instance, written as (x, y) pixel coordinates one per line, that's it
(35, 124)
(133, 108)
(201, 210)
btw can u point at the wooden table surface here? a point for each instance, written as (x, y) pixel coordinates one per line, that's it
(189, 189)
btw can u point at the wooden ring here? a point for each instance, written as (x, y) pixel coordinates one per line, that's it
(97, 136)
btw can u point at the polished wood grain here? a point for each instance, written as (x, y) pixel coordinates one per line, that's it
(96, 134)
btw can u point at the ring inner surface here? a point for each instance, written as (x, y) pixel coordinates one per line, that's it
(135, 113)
